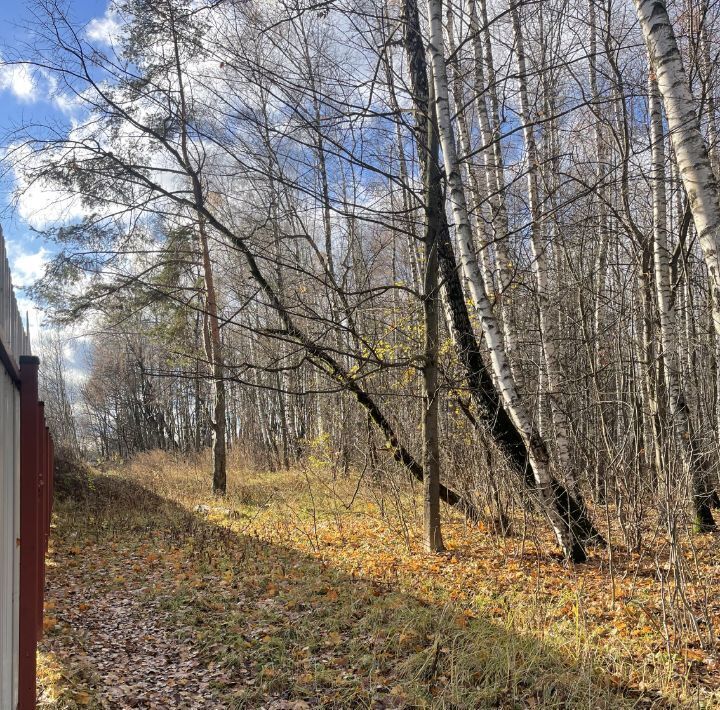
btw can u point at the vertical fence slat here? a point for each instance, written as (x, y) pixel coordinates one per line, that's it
(41, 515)
(30, 541)
(26, 480)
(9, 535)
(16, 567)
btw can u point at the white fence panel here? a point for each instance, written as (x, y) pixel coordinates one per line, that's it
(14, 342)
(12, 331)
(9, 534)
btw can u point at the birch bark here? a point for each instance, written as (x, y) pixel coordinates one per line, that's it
(478, 192)
(601, 262)
(491, 331)
(492, 156)
(690, 150)
(491, 407)
(679, 410)
(548, 329)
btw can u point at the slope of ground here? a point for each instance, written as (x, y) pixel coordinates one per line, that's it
(286, 595)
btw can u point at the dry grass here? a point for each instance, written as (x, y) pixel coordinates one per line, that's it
(305, 587)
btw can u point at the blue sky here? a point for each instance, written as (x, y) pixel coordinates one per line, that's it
(24, 97)
(20, 97)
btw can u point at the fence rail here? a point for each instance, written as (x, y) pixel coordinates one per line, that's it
(13, 335)
(26, 485)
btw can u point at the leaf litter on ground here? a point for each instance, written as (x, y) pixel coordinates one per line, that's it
(161, 597)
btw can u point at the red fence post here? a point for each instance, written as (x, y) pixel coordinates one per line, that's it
(31, 545)
(42, 509)
(52, 481)
(48, 487)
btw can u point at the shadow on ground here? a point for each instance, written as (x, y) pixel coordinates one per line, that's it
(154, 606)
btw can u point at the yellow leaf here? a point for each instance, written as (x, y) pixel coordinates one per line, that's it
(49, 622)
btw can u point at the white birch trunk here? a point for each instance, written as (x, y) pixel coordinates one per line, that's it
(489, 122)
(706, 72)
(679, 410)
(478, 192)
(601, 262)
(690, 150)
(548, 330)
(471, 270)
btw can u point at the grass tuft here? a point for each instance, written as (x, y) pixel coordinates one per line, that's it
(282, 592)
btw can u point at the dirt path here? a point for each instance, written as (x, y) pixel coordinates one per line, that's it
(112, 639)
(108, 632)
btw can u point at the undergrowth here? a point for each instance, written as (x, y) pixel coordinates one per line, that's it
(299, 587)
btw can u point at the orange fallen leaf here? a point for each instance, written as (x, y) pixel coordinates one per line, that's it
(49, 622)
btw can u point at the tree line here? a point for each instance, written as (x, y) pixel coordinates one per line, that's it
(473, 243)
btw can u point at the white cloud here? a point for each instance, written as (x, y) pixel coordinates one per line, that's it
(68, 105)
(27, 267)
(106, 29)
(39, 205)
(19, 80)
(40, 202)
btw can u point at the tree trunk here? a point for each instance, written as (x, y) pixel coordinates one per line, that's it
(493, 413)
(213, 349)
(213, 341)
(691, 152)
(489, 124)
(695, 462)
(431, 392)
(548, 331)
(572, 548)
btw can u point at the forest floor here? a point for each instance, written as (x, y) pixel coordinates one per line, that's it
(288, 595)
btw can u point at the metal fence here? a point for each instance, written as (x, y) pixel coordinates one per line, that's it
(26, 478)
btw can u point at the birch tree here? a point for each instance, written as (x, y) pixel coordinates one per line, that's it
(548, 331)
(695, 461)
(571, 547)
(689, 146)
